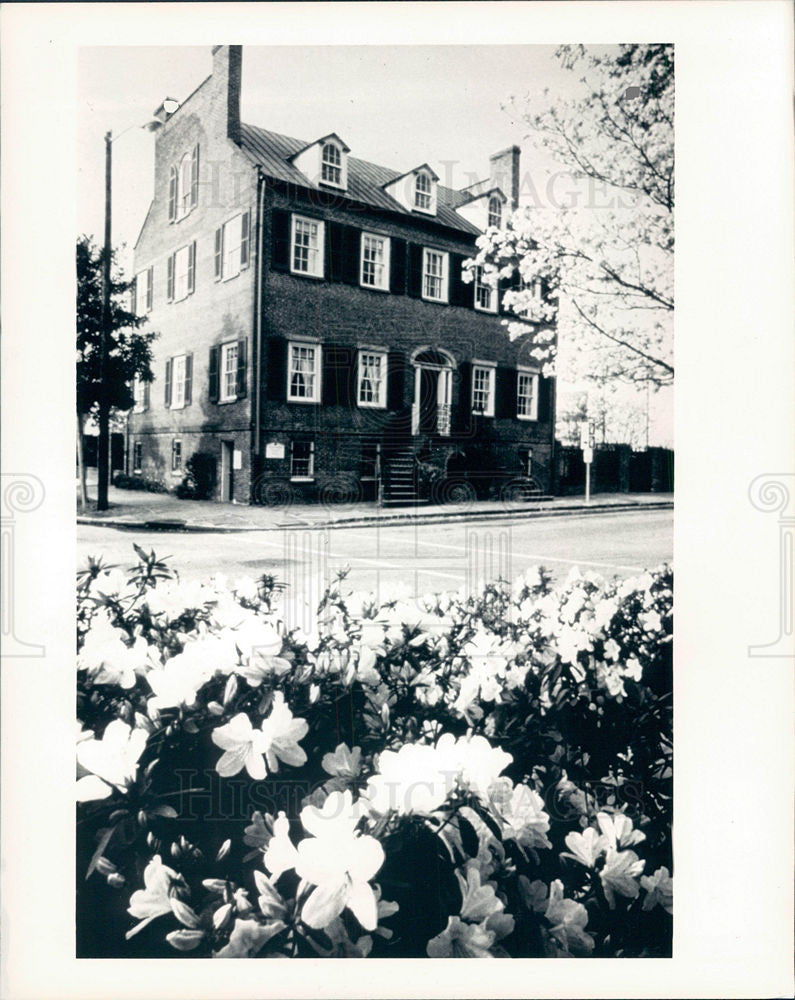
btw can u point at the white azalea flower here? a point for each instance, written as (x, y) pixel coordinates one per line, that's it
(659, 889)
(617, 830)
(524, 818)
(108, 657)
(413, 780)
(243, 745)
(568, 919)
(480, 763)
(620, 874)
(248, 937)
(461, 940)
(339, 862)
(154, 900)
(112, 760)
(585, 847)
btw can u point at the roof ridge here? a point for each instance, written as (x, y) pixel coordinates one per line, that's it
(370, 163)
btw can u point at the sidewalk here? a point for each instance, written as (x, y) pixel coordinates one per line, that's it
(133, 509)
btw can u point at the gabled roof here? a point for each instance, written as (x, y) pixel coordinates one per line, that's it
(366, 181)
(416, 170)
(468, 196)
(325, 138)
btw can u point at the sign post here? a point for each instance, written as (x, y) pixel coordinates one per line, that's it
(586, 443)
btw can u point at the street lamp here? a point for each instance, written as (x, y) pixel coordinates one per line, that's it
(165, 110)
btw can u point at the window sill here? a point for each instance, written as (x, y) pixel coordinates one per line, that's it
(522, 416)
(307, 274)
(371, 406)
(488, 312)
(436, 302)
(373, 288)
(311, 402)
(302, 479)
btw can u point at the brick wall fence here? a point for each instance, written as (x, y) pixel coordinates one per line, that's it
(616, 468)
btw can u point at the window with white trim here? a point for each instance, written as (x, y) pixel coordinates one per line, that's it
(178, 365)
(371, 382)
(527, 395)
(495, 211)
(142, 292)
(534, 287)
(181, 270)
(303, 373)
(184, 186)
(176, 455)
(483, 390)
(302, 459)
(228, 372)
(375, 261)
(423, 192)
(331, 165)
(232, 239)
(306, 253)
(137, 454)
(139, 395)
(485, 294)
(435, 267)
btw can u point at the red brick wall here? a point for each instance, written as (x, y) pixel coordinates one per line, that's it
(216, 311)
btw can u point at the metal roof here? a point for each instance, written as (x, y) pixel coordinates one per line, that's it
(271, 151)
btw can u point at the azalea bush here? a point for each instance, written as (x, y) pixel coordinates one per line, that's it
(465, 775)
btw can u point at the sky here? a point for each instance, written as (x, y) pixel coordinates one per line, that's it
(398, 106)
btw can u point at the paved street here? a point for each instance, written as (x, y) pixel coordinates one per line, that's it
(424, 558)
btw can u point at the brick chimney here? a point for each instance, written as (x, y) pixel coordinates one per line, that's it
(227, 69)
(504, 174)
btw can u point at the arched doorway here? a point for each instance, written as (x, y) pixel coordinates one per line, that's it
(433, 388)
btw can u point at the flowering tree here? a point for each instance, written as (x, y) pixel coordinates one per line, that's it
(463, 776)
(610, 265)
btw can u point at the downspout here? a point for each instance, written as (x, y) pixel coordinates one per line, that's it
(257, 388)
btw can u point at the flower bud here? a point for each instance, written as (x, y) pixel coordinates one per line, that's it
(150, 840)
(189, 725)
(116, 880)
(223, 850)
(222, 916)
(153, 712)
(184, 913)
(231, 689)
(314, 693)
(142, 817)
(175, 851)
(214, 708)
(105, 866)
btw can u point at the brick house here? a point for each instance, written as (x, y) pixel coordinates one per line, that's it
(316, 336)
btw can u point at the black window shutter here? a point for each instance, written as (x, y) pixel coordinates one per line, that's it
(219, 251)
(150, 288)
(415, 270)
(241, 368)
(280, 232)
(545, 391)
(146, 395)
(505, 403)
(397, 281)
(170, 283)
(351, 252)
(461, 294)
(213, 379)
(168, 383)
(194, 177)
(134, 296)
(172, 194)
(396, 380)
(192, 267)
(335, 239)
(245, 226)
(339, 370)
(188, 379)
(464, 410)
(277, 368)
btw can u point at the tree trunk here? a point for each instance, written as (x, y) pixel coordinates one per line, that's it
(81, 465)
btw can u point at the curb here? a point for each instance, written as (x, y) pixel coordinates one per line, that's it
(173, 525)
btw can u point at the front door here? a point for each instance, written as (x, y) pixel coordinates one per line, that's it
(428, 385)
(227, 471)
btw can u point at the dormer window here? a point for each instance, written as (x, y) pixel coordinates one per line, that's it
(331, 168)
(423, 189)
(324, 162)
(495, 212)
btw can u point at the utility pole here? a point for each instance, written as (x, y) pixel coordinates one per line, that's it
(103, 444)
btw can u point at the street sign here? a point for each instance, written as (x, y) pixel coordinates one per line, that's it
(585, 435)
(587, 455)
